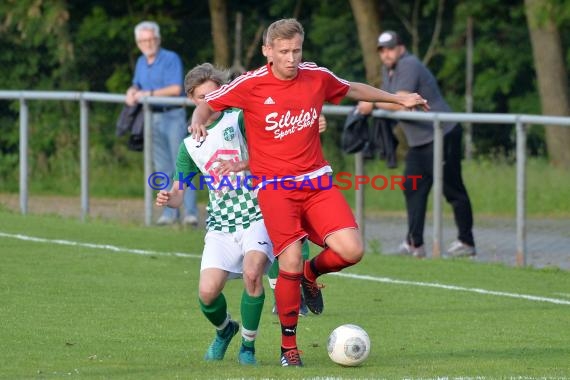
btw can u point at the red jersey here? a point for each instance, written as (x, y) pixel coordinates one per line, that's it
(281, 117)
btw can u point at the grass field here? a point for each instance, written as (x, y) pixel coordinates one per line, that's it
(105, 300)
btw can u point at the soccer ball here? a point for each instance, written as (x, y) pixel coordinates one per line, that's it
(348, 345)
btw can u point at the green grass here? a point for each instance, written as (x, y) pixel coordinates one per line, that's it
(73, 311)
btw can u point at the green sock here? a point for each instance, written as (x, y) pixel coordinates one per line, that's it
(272, 274)
(273, 270)
(251, 308)
(248, 343)
(305, 250)
(217, 311)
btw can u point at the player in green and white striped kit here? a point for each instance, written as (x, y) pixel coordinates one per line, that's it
(236, 242)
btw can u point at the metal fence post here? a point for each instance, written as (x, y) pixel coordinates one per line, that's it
(437, 186)
(84, 156)
(147, 163)
(521, 193)
(23, 156)
(359, 193)
(469, 88)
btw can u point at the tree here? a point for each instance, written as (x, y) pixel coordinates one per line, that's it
(412, 15)
(551, 74)
(41, 27)
(219, 16)
(367, 19)
(503, 79)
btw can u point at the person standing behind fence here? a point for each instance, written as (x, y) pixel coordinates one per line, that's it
(159, 72)
(402, 73)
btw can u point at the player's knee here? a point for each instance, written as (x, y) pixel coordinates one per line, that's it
(252, 279)
(291, 263)
(357, 252)
(207, 296)
(354, 251)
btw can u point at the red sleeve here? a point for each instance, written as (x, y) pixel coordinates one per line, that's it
(227, 96)
(336, 88)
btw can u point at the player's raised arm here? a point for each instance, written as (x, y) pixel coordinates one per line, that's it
(362, 91)
(200, 116)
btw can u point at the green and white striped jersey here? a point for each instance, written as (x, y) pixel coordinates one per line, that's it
(232, 203)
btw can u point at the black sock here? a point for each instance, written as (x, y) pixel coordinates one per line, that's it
(226, 331)
(283, 350)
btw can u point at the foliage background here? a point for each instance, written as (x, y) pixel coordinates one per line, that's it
(89, 46)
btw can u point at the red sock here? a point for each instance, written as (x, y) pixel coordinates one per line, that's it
(287, 299)
(325, 262)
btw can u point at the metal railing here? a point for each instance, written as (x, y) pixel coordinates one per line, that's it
(519, 120)
(83, 98)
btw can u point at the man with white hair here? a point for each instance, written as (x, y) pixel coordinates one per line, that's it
(159, 72)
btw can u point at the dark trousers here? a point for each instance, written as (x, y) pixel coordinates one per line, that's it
(419, 161)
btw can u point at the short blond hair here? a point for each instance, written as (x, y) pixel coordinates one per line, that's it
(285, 29)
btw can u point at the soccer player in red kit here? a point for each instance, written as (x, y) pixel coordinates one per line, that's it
(281, 102)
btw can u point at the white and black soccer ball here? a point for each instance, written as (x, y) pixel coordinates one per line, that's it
(348, 345)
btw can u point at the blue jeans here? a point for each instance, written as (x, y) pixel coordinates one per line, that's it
(168, 130)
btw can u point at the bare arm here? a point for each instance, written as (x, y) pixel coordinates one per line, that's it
(361, 91)
(227, 167)
(366, 108)
(322, 123)
(392, 106)
(199, 118)
(173, 90)
(130, 99)
(172, 198)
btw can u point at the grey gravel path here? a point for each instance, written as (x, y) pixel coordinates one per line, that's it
(548, 240)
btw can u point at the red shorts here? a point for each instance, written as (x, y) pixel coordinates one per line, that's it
(293, 210)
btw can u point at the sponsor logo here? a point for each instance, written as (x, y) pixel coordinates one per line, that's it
(288, 123)
(229, 134)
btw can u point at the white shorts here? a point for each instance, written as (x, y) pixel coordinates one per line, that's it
(226, 250)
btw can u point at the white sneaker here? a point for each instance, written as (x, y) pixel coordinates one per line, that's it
(165, 220)
(190, 220)
(460, 249)
(407, 249)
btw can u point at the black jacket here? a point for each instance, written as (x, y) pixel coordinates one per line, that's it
(131, 120)
(355, 132)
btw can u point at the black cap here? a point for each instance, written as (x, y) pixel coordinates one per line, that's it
(389, 39)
